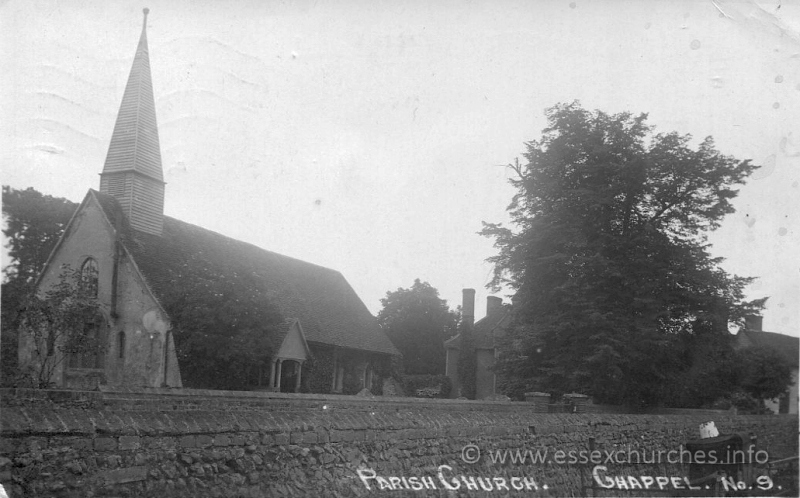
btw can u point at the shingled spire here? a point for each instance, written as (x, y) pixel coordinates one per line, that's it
(132, 172)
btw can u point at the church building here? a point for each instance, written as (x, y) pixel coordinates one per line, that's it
(134, 259)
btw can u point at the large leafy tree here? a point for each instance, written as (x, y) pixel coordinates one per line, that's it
(763, 372)
(418, 322)
(615, 286)
(33, 224)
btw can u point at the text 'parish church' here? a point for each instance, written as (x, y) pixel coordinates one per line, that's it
(138, 260)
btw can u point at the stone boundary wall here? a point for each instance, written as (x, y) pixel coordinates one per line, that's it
(97, 444)
(196, 399)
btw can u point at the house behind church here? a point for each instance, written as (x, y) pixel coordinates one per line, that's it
(788, 347)
(485, 333)
(135, 260)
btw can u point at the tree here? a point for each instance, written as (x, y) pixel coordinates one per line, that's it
(764, 373)
(34, 223)
(609, 260)
(418, 322)
(65, 323)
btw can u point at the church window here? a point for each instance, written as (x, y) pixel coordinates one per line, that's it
(51, 342)
(121, 340)
(368, 377)
(89, 277)
(338, 378)
(88, 353)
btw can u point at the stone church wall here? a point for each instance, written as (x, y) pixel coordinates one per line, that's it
(89, 236)
(136, 359)
(139, 443)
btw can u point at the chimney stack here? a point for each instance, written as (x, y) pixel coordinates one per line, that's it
(753, 323)
(493, 305)
(468, 307)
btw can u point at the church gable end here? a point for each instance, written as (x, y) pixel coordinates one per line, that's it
(86, 247)
(134, 346)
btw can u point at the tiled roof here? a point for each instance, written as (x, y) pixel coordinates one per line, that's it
(484, 330)
(329, 310)
(786, 346)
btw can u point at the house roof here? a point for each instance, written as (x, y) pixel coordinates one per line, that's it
(483, 330)
(328, 308)
(786, 346)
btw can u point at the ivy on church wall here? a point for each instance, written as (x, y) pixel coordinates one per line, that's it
(222, 321)
(318, 371)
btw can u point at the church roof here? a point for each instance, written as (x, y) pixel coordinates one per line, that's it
(328, 308)
(483, 331)
(134, 143)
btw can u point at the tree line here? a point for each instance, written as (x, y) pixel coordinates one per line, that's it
(616, 293)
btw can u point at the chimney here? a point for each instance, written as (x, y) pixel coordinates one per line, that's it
(493, 305)
(753, 323)
(468, 307)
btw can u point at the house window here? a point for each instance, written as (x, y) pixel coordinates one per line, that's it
(783, 403)
(89, 277)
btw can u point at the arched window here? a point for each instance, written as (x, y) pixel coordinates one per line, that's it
(89, 277)
(121, 340)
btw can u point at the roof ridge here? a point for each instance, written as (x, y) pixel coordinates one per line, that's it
(243, 242)
(769, 332)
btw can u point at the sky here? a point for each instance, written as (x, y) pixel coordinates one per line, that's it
(372, 137)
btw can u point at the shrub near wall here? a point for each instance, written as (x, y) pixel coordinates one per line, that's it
(333, 448)
(427, 386)
(318, 371)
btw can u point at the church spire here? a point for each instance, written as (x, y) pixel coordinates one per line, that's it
(132, 172)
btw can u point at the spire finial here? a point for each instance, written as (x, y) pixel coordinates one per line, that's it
(144, 21)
